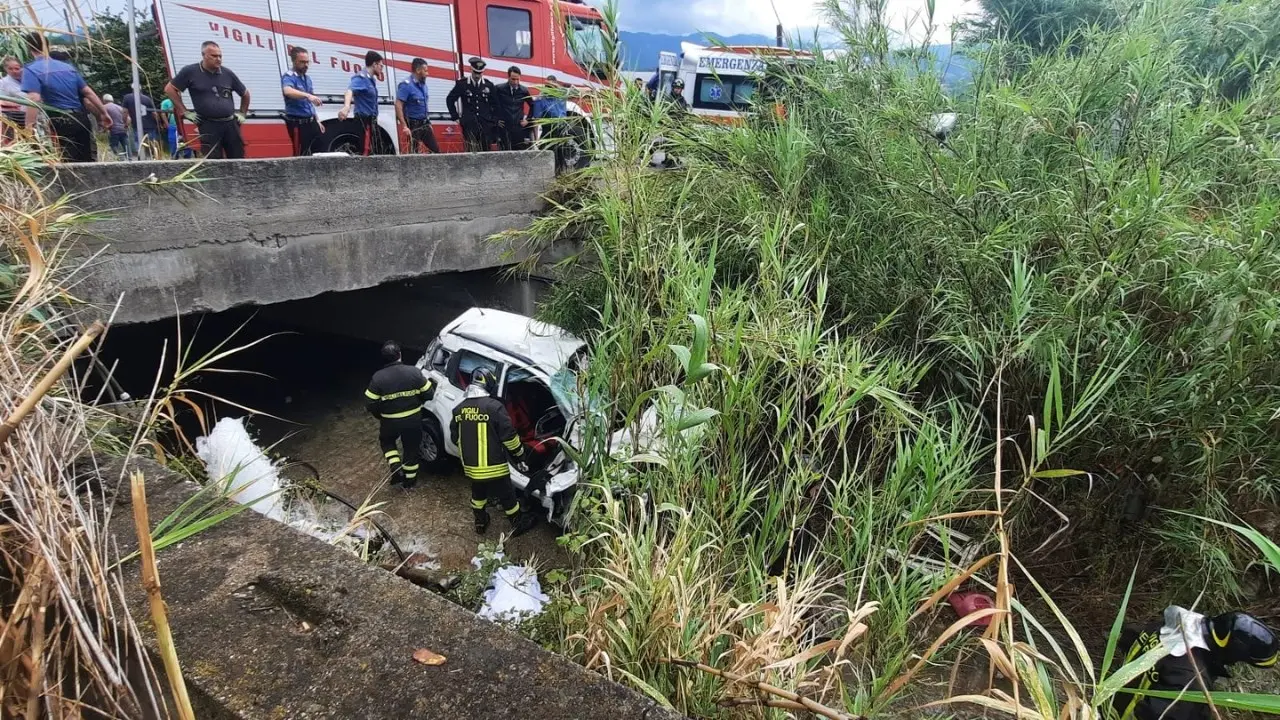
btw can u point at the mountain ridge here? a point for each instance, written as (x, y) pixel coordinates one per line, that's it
(640, 49)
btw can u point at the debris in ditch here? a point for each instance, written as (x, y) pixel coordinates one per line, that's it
(967, 603)
(426, 657)
(433, 580)
(514, 595)
(232, 458)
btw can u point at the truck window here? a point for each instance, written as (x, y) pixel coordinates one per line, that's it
(510, 32)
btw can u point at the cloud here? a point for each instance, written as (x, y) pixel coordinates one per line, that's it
(729, 17)
(725, 17)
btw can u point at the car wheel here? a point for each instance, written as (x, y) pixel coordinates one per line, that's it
(432, 447)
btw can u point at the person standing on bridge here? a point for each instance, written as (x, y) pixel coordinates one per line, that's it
(118, 138)
(484, 435)
(396, 395)
(479, 107)
(363, 90)
(514, 104)
(149, 120)
(211, 86)
(411, 109)
(300, 103)
(551, 108)
(12, 99)
(55, 83)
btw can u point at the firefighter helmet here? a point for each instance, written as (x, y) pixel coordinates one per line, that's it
(485, 378)
(1242, 638)
(678, 84)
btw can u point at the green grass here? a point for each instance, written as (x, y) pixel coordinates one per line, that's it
(1092, 256)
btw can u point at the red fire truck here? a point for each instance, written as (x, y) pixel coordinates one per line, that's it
(256, 35)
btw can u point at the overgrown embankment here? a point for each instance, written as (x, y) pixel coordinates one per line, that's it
(1085, 274)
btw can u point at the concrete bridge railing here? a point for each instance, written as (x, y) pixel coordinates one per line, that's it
(265, 231)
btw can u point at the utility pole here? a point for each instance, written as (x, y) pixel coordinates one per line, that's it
(137, 82)
(777, 17)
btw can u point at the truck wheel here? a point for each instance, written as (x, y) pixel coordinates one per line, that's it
(432, 448)
(344, 136)
(347, 136)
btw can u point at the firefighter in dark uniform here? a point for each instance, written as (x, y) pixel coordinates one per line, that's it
(479, 110)
(396, 395)
(482, 430)
(1195, 642)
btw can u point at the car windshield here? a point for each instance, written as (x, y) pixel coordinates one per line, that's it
(586, 44)
(564, 387)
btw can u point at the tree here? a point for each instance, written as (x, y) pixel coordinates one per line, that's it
(104, 58)
(1040, 25)
(1230, 42)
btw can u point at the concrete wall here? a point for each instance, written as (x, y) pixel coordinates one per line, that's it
(267, 231)
(271, 624)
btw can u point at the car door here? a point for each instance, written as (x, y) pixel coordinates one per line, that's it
(453, 385)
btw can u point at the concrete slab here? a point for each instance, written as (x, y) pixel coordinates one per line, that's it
(272, 624)
(265, 231)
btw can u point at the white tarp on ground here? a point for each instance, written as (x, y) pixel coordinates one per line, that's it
(246, 473)
(514, 595)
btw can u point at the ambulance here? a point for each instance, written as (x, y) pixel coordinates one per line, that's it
(256, 36)
(720, 82)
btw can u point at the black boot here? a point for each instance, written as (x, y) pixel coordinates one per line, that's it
(522, 522)
(482, 520)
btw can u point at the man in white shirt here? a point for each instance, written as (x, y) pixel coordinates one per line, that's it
(10, 89)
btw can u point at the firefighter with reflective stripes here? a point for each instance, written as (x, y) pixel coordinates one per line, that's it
(396, 395)
(1197, 645)
(482, 430)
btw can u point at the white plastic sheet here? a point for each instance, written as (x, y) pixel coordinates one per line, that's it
(248, 476)
(514, 595)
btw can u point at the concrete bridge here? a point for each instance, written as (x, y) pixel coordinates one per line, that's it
(270, 623)
(257, 232)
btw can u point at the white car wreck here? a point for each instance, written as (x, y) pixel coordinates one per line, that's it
(537, 367)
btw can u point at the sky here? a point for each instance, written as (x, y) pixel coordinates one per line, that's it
(675, 17)
(729, 17)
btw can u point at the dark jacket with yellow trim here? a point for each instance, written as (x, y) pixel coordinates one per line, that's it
(397, 392)
(1199, 655)
(482, 430)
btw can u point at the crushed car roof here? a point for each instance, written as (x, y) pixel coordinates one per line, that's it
(545, 346)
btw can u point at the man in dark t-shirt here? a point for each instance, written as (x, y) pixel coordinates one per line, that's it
(150, 128)
(211, 87)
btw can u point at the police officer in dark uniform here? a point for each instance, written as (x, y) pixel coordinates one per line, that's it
(396, 395)
(479, 110)
(482, 430)
(1197, 645)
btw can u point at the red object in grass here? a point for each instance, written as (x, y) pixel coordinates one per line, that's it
(967, 603)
